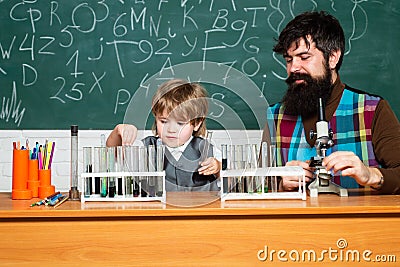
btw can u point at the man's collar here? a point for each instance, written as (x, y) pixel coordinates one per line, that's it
(337, 90)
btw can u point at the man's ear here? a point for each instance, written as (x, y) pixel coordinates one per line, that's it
(334, 59)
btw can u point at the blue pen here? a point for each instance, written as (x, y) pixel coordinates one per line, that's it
(33, 156)
(55, 197)
(54, 201)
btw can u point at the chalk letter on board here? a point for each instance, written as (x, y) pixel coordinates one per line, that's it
(253, 25)
(6, 53)
(190, 45)
(168, 61)
(242, 29)
(97, 82)
(25, 74)
(206, 48)
(33, 17)
(159, 4)
(100, 53)
(53, 9)
(115, 43)
(216, 103)
(120, 102)
(185, 16)
(222, 13)
(154, 27)
(42, 50)
(137, 19)
(246, 47)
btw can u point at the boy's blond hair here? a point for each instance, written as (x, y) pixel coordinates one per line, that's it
(182, 99)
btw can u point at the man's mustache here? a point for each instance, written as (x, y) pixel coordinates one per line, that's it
(298, 76)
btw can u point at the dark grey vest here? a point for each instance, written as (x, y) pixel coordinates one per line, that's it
(183, 175)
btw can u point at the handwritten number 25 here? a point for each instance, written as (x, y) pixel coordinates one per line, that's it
(76, 93)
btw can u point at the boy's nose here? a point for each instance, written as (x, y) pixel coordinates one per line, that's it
(172, 127)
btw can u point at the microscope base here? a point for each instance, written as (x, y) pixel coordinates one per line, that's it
(315, 188)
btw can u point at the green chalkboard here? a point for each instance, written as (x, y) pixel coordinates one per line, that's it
(98, 63)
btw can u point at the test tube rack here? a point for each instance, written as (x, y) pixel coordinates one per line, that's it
(124, 196)
(263, 173)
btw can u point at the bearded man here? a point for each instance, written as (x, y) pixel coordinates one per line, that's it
(366, 131)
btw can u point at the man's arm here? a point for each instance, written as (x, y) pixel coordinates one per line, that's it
(386, 142)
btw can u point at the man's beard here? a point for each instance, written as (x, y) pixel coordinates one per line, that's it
(302, 99)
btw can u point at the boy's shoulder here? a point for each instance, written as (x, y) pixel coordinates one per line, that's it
(150, 140)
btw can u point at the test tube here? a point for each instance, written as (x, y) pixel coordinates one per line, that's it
(88, 168)
(111, 168)
(103, 168)
(272, 163)
(98, 180)
(264, 163)
(74, 192)
(240, 165)
(152, 166)
(225, 182)
(96, 169)
(206, 147)
(232, 166)
(224, 150)
(135, 168)
(251, 163)
(143, 168)
(160, 167)
(128, 167)
(120, 168)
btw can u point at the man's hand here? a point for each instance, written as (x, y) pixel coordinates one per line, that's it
(349, 164)
(290, 183)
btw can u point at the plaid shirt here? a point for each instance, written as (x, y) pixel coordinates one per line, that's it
(351, 124)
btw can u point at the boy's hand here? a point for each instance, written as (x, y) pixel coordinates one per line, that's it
(210, 166)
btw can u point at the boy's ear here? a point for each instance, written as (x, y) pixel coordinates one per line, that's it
(197, 125)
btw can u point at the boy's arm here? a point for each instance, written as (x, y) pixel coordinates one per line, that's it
(122, 134)
(210, 166)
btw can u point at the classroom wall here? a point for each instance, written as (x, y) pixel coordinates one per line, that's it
(62, 153)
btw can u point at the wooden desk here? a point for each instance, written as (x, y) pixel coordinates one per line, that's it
(235, 234)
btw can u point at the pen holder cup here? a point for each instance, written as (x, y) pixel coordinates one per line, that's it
(33, 177)
(45, 187)
(33, 170)
(20, 169)
(20, 175)
(45, 177)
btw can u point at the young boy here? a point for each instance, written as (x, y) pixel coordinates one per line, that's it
(179, 109)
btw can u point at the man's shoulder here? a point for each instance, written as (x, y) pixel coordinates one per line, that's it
(275, 106)
(361, 92)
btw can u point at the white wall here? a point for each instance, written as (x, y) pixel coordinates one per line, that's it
(62, 153)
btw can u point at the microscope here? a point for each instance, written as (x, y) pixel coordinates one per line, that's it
(322, 182)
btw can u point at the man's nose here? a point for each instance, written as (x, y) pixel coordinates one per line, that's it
(294, 66)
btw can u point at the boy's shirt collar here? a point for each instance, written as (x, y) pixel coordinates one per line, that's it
(177, 152)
